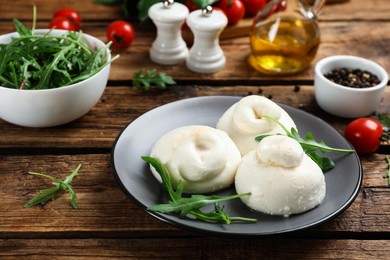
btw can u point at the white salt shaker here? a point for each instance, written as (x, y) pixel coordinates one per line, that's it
(206, 56)
(169, 47)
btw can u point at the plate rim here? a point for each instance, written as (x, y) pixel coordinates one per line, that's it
(163, 217)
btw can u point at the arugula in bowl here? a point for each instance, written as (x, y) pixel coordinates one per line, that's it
(48, 60)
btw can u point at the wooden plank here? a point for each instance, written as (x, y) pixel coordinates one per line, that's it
(345, 10)
(108, 224)
(195, 248)
(356, 10)
(88, 10)
(104, 209)
(119, 105)
(338, 38)
(102, 206)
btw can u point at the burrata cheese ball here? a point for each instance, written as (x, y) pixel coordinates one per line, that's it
(281, 178)
(244, 121)
(203, 157)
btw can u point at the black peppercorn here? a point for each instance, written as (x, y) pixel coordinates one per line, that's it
(354, 78)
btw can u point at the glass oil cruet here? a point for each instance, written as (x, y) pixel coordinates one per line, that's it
(285, 36)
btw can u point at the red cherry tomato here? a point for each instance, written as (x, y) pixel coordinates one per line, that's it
(70, 14)
(234, 10)
(121, 33)
(191, 6)
(218, 9)
(364, 134)
(252, 7)
(62, 23)
(282, 6)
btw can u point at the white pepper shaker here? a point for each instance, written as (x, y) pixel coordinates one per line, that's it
(169, 47)
(206, 56)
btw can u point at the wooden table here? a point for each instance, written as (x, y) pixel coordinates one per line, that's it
(107, 223)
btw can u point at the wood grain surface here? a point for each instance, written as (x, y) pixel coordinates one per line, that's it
(110, 225)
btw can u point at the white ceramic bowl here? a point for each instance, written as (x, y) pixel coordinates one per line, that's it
(344, 101)
(57, 106)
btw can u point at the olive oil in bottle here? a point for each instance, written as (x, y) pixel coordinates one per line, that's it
(283, 46)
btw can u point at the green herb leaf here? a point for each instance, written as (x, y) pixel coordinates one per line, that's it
(51, 194)
(185, 205)
(44, 196)
(384, 119)
(203, 3)
(166, 178)
(190, 206)
(145, 81)
(325, 163)
(218, 215)
(143, 8)
(310, 146)
(21, 29)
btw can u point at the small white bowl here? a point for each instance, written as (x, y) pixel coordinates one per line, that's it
(345, 101)
(57, 106)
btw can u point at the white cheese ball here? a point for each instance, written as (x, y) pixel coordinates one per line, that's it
(243, 121)
(204, 158)
(281, 178)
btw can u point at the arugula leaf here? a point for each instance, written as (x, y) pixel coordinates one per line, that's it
(53, 193)
(147, 80)
(203, 3)
(218, 215)
(384, 119)
(21, 29)
(143, 8)
(45, 74)
(166, 178)
(310, 146)
(186, 206)
(324, 163)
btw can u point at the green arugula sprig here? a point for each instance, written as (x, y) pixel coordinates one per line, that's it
(60, 187)
(146, 80)
(310, 146)
(384, 119)
(190, 206)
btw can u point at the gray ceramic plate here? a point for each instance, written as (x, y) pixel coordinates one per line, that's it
(133, 174)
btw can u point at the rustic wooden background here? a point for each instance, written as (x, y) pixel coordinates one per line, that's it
(110, 225)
